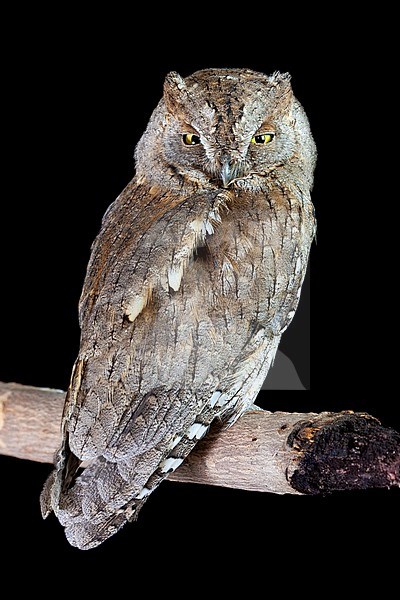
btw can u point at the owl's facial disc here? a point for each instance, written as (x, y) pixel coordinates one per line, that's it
(221, 128)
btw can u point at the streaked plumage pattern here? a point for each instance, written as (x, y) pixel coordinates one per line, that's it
(194, 276)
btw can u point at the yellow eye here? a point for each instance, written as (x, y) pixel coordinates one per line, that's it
(190, 139)
(262, 139)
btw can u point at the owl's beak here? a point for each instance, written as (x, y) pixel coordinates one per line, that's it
(231, 170)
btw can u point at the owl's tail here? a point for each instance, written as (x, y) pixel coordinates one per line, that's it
(104, 497)
(108, 494)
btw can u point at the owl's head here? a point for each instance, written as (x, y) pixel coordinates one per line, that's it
(225, 127)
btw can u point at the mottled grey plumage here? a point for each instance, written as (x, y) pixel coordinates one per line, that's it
(194, 276)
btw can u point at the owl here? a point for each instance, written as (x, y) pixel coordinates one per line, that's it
(193, 278)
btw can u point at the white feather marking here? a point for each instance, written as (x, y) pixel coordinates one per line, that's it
(175, 441)
(209, 227)
(193, 430)
(135, 305)
(197, 225)
(175, 276)
(197, 430)
(202, 430)
(143, 493)
(297, 268)
(289, 317)
(202, 227)
(222, 400)
(170, 464)
(298, 292)
(213, 400)
(214, 215)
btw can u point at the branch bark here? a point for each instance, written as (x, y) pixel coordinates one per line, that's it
(295, 453)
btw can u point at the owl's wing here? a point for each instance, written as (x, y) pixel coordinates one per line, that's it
(131, 288)
(129, 393)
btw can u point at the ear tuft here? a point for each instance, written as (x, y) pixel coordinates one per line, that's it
(282, 89)
(278, 78)
(174, 90)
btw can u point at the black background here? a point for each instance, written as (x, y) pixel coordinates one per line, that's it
(79, 93)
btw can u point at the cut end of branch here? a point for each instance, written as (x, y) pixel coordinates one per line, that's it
(345, 451)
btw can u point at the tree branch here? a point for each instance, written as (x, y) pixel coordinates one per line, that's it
(272, 452)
